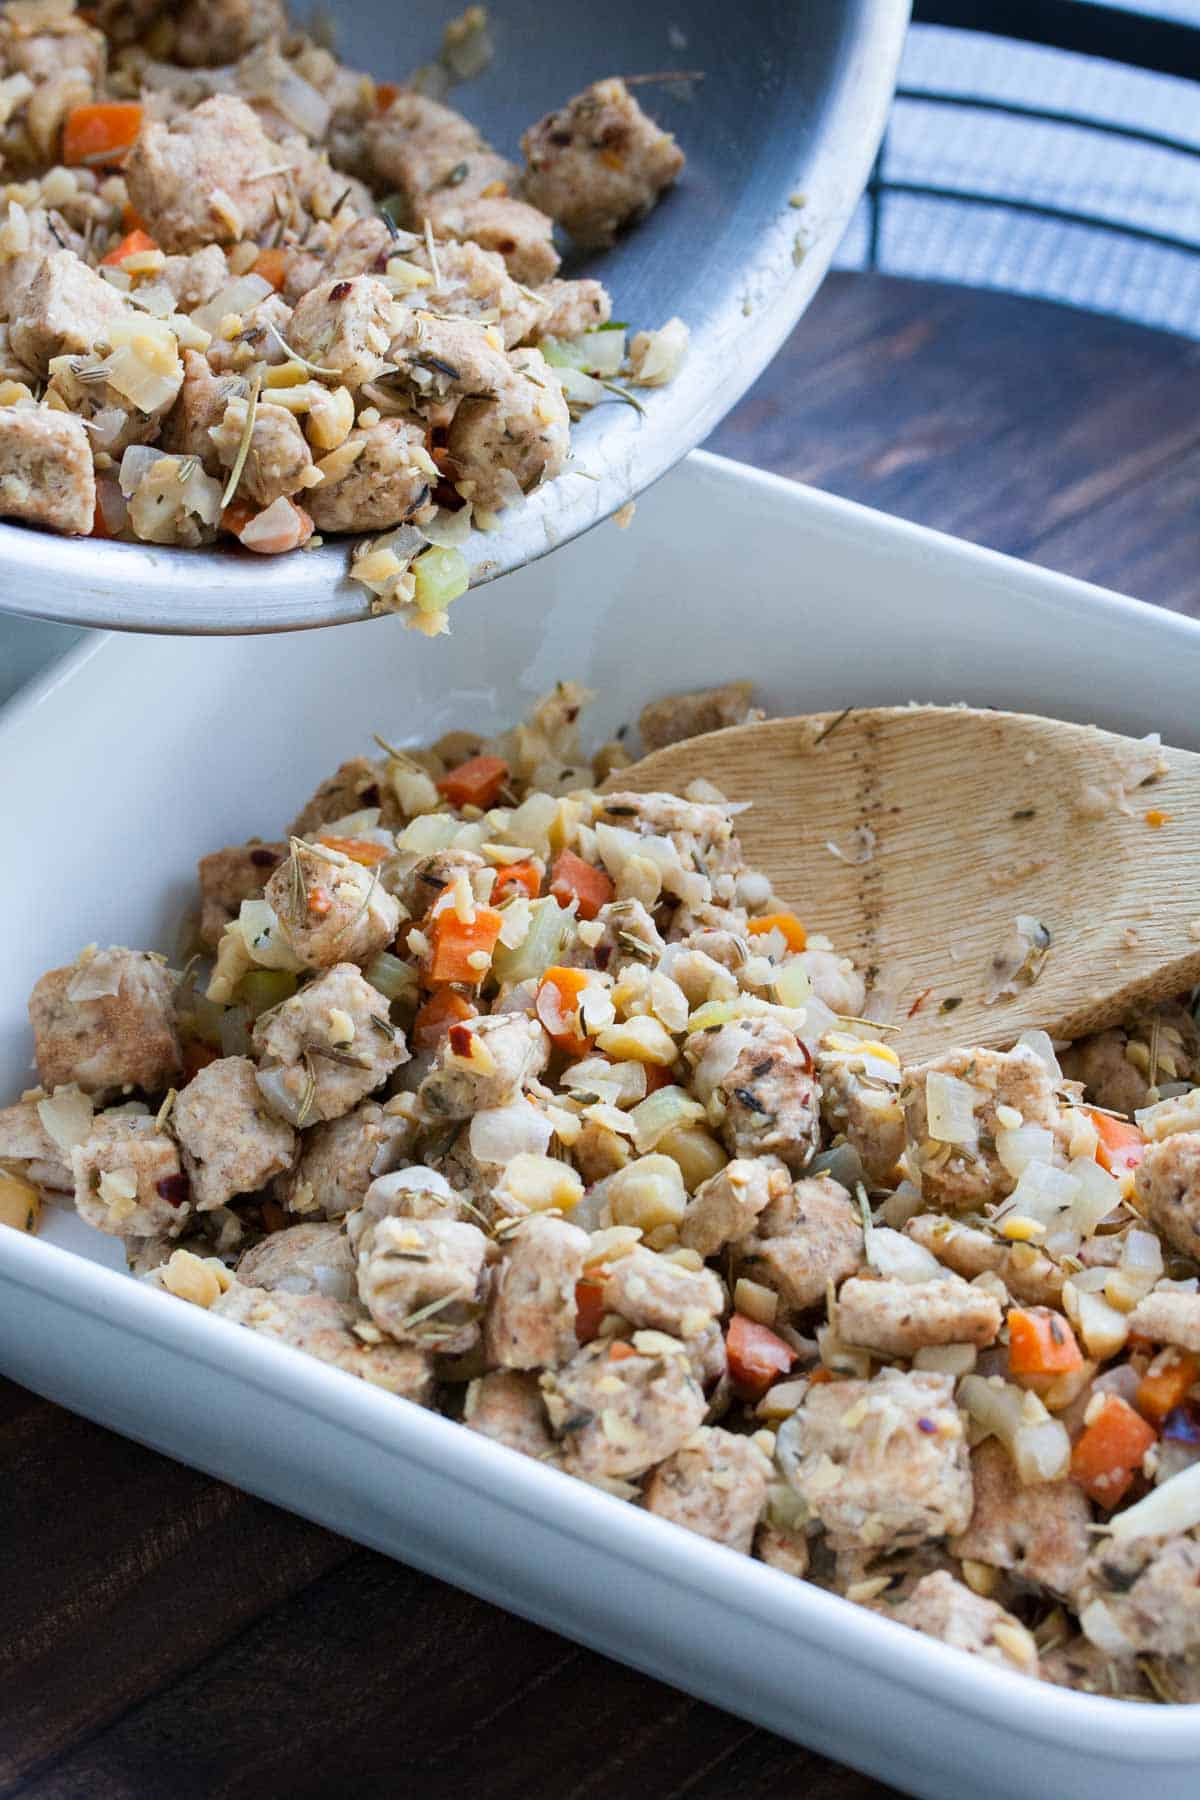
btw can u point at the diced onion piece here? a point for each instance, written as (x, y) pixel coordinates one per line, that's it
(67, 1117)
(449, 530)
(428, 833)
(99, 978)
(1104, 1330)
(661, 1113)
(1098, 1194)
(264, 937)
(1038, 1444)
(239, 296)
(900, 1258)
(1101, 1629)
(657, 356)
(1018, 1147)
(499, 1133)
(792, 984)
(950, 1104)
(1042, 1192)
(1168, 1510)
(540, 1183)
(1042, 1046)
(1142, 1251)
(278, 1094)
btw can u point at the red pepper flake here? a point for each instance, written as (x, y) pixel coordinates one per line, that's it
(1155, 819)
(919, 1002)
(461, 1040)
(176, 1190)
(319, 902)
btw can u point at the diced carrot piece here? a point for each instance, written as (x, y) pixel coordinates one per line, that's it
(820, 1376)
(756, 1355)
(237, 516)
(359, 850)
(557, 1006)
(786, 923)
(1041, 1342)
(131, 218)
(278, 528)
(573, 879)
(589, 1309)
(455, 942)
(618, 1351)
(272, 265)
(1122, 1144)
(99, 528)
(386, 94)
(1110, 1451)
(1156, 819)
(130, 245)
(517, 877)
(1165, 1384)
(477, 782)
(658, 1077)
(435, 1017)
(101, 132)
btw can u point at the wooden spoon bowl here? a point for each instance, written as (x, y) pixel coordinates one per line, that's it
(915, 838)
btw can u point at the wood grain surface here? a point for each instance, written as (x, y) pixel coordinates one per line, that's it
(166, 1637)
(858, 818)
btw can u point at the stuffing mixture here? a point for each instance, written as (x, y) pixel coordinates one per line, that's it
(521, 1096)
(246, 290)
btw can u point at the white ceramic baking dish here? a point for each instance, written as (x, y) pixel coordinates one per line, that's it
(134, 755)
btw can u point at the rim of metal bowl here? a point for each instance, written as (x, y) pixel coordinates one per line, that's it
(146, 587)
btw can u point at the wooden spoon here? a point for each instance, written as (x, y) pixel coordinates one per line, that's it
(916, 837)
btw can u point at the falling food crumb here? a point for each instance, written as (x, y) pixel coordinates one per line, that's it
(747, 307)
(798, 199)
(799, 249)
(623, 517)
(1194, 931)
(1130, 939)
(1156, 819)
(676, 37)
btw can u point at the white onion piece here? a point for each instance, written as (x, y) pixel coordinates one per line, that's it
(238, 296)
(499, 1133)
(1023, 1144)
(1103, 1329)
(1042, 1192)
(1042, 1046)
(335, 1284)
(1101, 1629)
(97, 979)
(66, 1117)
(264, 937)
(416, 1179)
(950, 1105)
(900, 1258)
(137, 461)
(279, 1097)
(818, 1019)
(1098, 1195)
(1168, 1510)
(427, 834)
(660, 1113)
(1142, 1251)
(449, 530)
(792, 984)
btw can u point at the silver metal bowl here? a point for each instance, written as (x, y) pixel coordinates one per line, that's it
(779, 136)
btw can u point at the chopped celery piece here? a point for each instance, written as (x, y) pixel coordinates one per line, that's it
(550, 929)
(393, 977)
(441, 575)
(262, 989)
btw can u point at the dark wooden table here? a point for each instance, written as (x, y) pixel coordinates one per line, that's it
(166, 1636)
